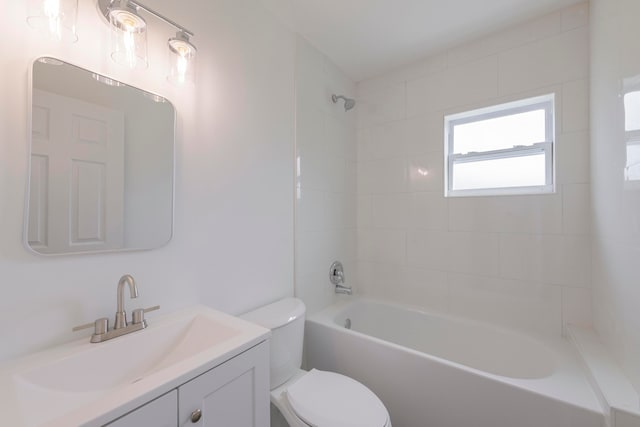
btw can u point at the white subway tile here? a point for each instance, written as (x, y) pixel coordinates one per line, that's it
(381, 280)
(517, 35)
(516, 257)
(425, 134)
(382, 246)
(426, 173)
(524, 214)
(365, 177)
(363, 140)
(529, 214)
(312, 211)
(319, 172)
(382, 176)
(428, 211)
(527, 32)
(365, 212)
(426, 289)
(365, 275)
(391, 210)
(575, 106)
(350, 186)
(576, 202)
(339, 210)
(460, 85)
(384, 105)
(424, 67)
(534, 309)
(549, 259)
(572, 158)
(564, 260)
(562, 58)
(315, 291)
(339, 139)
(472, 213)
(473, 253)
(311, 250)
(310, 130)
(575, 16)
(427, 94)
(576, 306)
(388, 141)
(428, 250)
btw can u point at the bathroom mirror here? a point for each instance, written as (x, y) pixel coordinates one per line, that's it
(101, 163)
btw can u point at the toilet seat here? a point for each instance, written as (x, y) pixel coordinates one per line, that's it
(328, 399)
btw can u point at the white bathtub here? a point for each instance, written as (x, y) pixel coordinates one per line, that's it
(437, 371)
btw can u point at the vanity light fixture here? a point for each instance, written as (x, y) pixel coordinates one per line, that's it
(129, 40)
(128, 35)
(54, 18)
(182, 54)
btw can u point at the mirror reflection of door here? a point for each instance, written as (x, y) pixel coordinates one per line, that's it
(77, 176)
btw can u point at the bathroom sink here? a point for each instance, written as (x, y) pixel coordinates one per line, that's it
(97, 378)
(130, 358)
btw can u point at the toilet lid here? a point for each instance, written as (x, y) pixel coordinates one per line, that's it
(327, 399)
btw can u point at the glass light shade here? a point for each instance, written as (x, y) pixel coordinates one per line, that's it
(128, 38)
(182, 57)
(54, 18)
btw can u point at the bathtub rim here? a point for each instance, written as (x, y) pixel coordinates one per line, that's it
(568, 364)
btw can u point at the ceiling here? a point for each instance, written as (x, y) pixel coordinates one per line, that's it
(366, 38)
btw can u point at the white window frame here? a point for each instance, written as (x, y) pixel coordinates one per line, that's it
(545, 102)
(632, 137)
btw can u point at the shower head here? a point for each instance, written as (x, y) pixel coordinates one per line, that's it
(348, 102)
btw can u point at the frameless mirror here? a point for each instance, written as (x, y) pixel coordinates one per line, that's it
(101, 163)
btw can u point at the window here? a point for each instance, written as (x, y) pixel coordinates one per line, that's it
(632, 135)
(504, 149)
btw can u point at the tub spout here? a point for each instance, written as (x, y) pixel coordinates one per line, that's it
(341, 289)
(336, 277)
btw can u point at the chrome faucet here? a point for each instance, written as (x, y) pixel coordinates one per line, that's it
(121, 315)
(101, 331)
(336, 276)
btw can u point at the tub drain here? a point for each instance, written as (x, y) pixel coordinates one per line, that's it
(347, 323)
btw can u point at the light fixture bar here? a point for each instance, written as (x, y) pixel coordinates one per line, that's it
(104, 5)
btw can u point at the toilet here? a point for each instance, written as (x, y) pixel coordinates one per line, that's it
(314, 398)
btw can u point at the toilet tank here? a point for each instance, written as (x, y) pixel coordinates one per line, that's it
(285, 318)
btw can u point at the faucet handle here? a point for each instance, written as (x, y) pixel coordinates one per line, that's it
(100, 326)
(154, 308)
(138, 313)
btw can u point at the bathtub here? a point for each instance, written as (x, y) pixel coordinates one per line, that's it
(432, 370)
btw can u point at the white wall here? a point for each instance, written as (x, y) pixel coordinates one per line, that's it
(326, 178)
(233, 239)
(616, 204)
(521, 261)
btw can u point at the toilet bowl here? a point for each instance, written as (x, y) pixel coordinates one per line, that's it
(314, 398)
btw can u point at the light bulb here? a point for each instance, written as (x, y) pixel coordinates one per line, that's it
(54, 18)
(182, 56)
(129, 40)
(51, 9)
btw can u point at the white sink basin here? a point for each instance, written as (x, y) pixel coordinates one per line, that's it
(78, 382)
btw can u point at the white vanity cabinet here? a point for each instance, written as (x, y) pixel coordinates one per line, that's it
(161, 412)
(233, 394)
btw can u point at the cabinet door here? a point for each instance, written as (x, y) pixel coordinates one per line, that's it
(234, 394)
(162, 412)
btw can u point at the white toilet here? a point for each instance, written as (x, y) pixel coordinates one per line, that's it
(314, 398)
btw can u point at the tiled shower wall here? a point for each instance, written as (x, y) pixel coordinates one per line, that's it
(521, 261)
(325, 177)
(616, 202)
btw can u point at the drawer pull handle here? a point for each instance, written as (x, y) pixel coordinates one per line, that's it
(196, 415)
